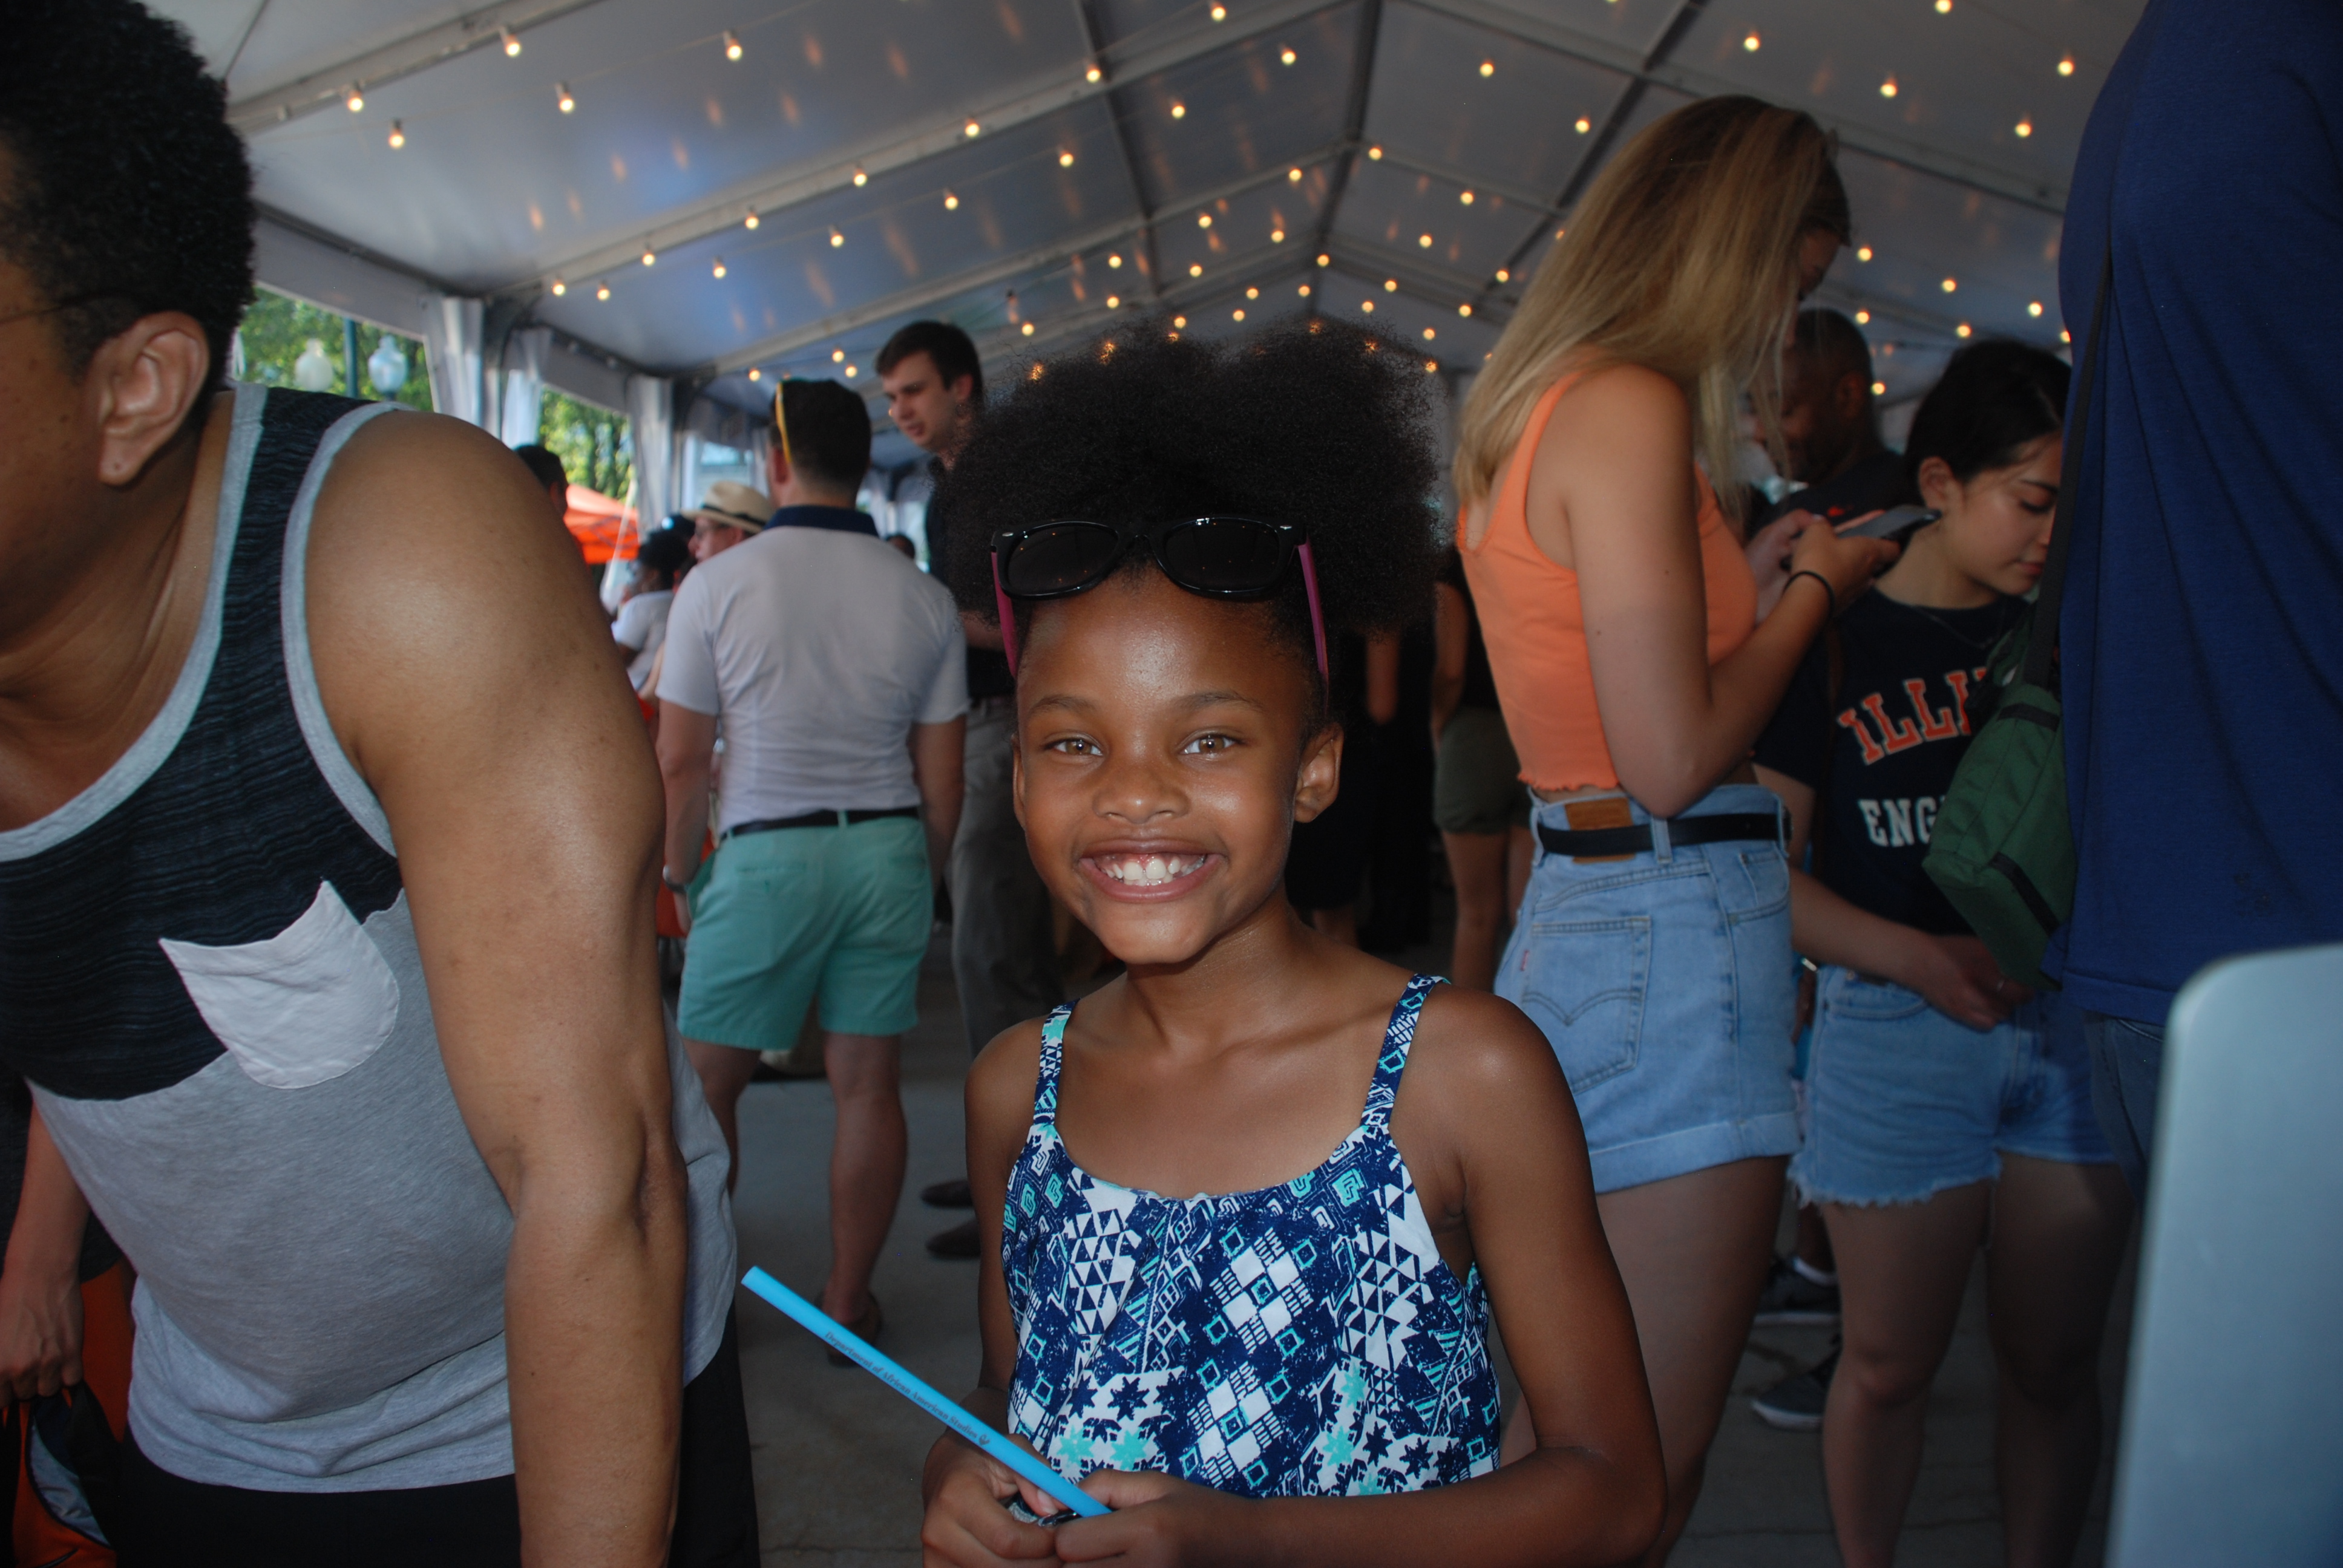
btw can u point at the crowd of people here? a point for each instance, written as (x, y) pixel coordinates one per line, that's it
(368, 1201)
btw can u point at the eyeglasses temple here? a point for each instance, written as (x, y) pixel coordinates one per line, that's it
(1009, 617)
(1317, 616)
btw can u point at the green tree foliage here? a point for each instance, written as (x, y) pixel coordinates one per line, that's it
(278, 327)
(592, 443)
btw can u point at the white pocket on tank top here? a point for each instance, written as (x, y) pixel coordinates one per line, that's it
(300, 1008)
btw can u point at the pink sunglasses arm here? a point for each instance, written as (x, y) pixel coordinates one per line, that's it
(1317, 616)
(1008, 618)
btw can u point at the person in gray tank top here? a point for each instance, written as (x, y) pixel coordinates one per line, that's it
(326, 881)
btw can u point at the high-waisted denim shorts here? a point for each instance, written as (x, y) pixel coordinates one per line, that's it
(1666, 986)
(1904, 1102)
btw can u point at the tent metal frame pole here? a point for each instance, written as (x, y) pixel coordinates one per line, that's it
(1094, 38)
(1354, 124)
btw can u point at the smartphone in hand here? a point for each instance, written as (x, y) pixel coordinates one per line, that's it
(1890, 522)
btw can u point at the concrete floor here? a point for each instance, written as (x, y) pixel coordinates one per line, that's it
(837, 1455)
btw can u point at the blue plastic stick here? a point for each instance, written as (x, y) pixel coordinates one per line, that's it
(895, 1375)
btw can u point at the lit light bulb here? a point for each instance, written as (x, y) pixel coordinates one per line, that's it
(1027, 329)
(850, 373)
(837, 357)
(1114, 302)
(561, 95)
(512, 43)
(1753, 43)
(755, 374)
(1961, 330)
(732, 50)
(836, 239)
(720, 267)
(353, 97)
(1581, 124)
(1179, 110)
(1065, 160)
(1219, 13)
(2065, 64)
(1277, 237)
(1286, 56)
(1862, 319)
(559, 288)
(1322, 260)
(1504, 275)
(1115, 260)
(1237, 314)
(1253, 294)
(1092, 75)
(1293, 177)
(1423, 241)
(2064, 335)
(952, 202)
(1195, 269)
(650, 255)
(1430, 365)
(1465, 198)
(602, 291)
(971, 129)
(750, 221)
(1303, 291)
(1391, 285)
(1375, 155)
(1368, 305)
(1943, 7)
(1888, 88)
(1428, 335)
(1488, 67)
(2034, 308)
(1863, 253)
(1204, 220)
(1178, 321)
(1879, 388)
(1950, 284)
(2024, 128)
(860, 179)
(398, 137)
(1464, 310)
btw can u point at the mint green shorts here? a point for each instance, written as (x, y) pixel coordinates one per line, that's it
(783, 918)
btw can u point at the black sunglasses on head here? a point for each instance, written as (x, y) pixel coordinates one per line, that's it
(1218, 557)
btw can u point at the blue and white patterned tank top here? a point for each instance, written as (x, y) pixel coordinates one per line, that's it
(1303, 1340)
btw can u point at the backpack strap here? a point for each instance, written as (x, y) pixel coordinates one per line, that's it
(2042, 638)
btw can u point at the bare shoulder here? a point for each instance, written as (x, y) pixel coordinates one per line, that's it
(1620, 409)
(1475, 1049)
(1001, 1084)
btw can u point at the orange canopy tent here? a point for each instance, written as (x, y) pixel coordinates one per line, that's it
(601, 524)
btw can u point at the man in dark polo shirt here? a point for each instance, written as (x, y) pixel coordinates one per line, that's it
(1004, 952)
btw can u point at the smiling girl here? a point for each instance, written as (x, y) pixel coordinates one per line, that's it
(1253, 1349)
(1947, 1108)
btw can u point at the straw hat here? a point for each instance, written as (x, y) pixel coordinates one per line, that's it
(735, 506)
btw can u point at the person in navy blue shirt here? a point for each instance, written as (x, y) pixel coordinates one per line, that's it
(2202, 630)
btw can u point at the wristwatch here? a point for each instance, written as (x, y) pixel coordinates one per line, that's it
(672, 886)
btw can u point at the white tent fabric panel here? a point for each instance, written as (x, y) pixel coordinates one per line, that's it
(1391, 112)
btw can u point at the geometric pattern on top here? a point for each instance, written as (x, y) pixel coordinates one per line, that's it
(1303, 1340)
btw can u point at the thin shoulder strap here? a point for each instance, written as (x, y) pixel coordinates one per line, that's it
(2042, 640)
(1054, 1055)
(1398, 1036)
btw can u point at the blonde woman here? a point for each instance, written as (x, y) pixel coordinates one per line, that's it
(1621, 619)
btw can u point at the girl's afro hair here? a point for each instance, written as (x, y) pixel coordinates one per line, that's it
(1315, 423)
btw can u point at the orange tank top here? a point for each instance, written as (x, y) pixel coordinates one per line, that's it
(1536, 631)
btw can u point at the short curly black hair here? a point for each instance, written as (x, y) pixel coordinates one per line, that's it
(123, 189)
(1316, 423)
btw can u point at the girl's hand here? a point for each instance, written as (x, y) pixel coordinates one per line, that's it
(1159, 1522)
(1769, 556)
(967, 1523)
(1958, 978)
(1847, 563)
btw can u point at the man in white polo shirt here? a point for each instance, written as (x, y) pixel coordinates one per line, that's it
(838, 670)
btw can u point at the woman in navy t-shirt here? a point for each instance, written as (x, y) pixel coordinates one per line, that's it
(1947, 1107)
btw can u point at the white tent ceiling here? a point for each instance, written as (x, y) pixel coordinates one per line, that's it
(956, 159)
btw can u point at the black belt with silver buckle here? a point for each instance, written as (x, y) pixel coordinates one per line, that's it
(820, 819)
(1594, 843)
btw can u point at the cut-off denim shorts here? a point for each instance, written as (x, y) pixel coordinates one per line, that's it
(1904, 1102)
(1666, 986)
